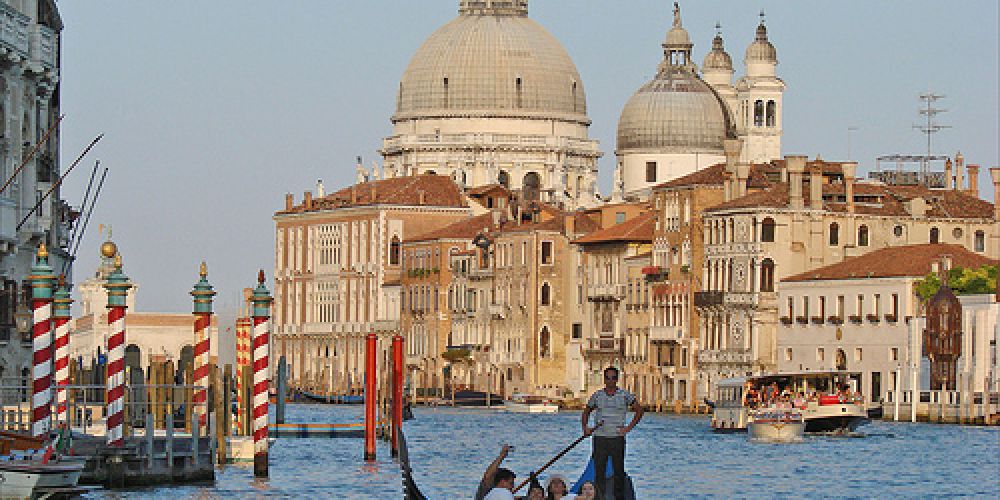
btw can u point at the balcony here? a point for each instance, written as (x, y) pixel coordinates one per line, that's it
(817, 320)
(498, 311)
(477, 273)
(740, 299)
(835, 320)
(603, 293)
(727, 356)
(872, 318)
(855, 318)
(14, 30)
(891, 318)
(386, 325)
(666, 333)
(655, 273)
(802, 320)
(608, 346)
(708, 299)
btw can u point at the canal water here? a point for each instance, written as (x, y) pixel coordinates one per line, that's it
(667, 456)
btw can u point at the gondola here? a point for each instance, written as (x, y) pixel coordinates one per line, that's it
(588, 475)
(342, 399)
(410, 490)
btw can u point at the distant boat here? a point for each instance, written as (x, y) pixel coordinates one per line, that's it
(475, 398)
(523, 403)
(341, 399)
(589, 474)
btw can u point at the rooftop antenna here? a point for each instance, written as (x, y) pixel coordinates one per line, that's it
(931, 127)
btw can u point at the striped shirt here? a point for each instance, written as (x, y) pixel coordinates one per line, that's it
(610, 409)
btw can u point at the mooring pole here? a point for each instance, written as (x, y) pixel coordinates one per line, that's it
(281, 390)
(371, 344)
(42, 281)
(397, 391)
(62, 314)
(261, 314)
(117, 287)
(202, 294)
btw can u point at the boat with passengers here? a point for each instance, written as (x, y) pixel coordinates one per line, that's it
(828, 400)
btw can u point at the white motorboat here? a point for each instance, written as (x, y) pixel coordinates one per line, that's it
(523, 403)
(823, 410)
(30, 478)
(776, 424)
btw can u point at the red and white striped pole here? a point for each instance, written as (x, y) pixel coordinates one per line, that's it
(202, 294)
(117, 287)
(242, 364)
(261, 352)
(61, 313)
(41, 342)
(371, 396)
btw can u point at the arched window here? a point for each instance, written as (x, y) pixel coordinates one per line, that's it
(834, 234)
(546, 294)
(530, 186)
(544, 342)
(767, 275)
(935, 235)
(980, 241)
(767, 230)
(758, 113)
(771, 113)
(394, 251)
(863, 236)
(504, 179)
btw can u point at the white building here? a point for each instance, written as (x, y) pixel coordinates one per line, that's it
(677, 123)
(860, 315)
(29, 105)
(493, 98)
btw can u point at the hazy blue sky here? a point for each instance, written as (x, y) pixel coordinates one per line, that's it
(213, 110)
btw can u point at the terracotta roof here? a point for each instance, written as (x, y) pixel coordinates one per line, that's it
(872, 199)
(714, 176)
(581, 224)
(438, 191)
(639, 228)
(465, 229)
(910, 260)
(489, 188)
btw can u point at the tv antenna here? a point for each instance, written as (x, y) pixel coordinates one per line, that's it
(931, 127)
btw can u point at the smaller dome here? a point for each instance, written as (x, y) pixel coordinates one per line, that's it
(761, 48)
(109, 249)
(718, 58)
(677, 37)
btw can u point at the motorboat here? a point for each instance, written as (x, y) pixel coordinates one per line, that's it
(32, 478)
(824, 399)
(524, 403)
(775, 424)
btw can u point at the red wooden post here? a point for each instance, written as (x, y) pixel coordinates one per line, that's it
(397, 391)
(371, 344)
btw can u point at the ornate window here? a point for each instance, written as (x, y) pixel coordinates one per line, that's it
(767, 275)
(394, 250)
(863, 236)
(758, 113)
(834, 234)
(935, 235)
(771, 119)
(980, 241)
(650, 171)
(544, 343)
(546, 294)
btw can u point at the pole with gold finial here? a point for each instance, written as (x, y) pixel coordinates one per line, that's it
(117, 287)
(61, 314)
(42, 281)
(202, 295)
(261, 351)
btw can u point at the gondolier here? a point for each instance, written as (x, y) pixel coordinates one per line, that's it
(610, 405)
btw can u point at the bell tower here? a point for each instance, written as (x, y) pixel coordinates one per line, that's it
(758, 113)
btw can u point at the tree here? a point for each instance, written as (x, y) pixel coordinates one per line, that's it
(962, 280)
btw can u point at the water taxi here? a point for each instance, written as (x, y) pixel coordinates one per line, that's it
(524, 403)
(827, 400)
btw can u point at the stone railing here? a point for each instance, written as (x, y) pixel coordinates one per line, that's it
(487, 139)
(726, 356)
(14, 30)
(666, 333)
(740, 299)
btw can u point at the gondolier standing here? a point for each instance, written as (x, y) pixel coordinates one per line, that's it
(610, 405)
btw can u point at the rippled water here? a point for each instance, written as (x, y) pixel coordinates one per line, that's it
(666, 456)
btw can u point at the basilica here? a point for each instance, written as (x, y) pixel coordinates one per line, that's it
(482, 239)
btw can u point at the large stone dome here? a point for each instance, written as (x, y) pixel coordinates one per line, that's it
(675, 112)
(491, 61)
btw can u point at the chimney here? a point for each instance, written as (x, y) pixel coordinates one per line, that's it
(850, 170)
(354, 194)
(732, 148)
(995, 175)
(974, 180)
(949, 180)
(320, 190)
(742, 174)
(727, 186)
(421, 197)
(374, 193)
(289, 201)
(497, 218)
(959, 171)
(816, 186)
(307, 200)
(569, 223)
(796, 165)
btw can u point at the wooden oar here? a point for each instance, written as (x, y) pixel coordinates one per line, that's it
(556, 458)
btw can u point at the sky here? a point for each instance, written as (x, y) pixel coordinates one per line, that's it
(212, 111)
